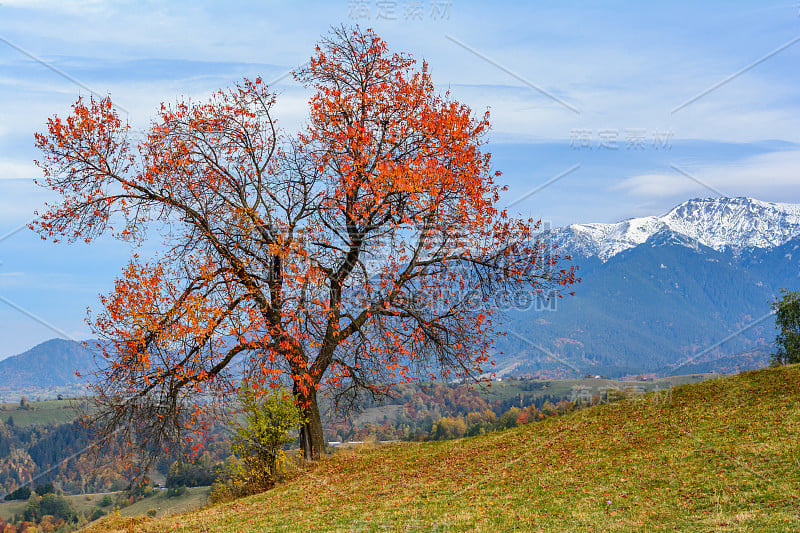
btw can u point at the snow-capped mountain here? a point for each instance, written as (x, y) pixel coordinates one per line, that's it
(719, 223)
(686, 292)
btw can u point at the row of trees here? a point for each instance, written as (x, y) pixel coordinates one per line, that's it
(458, 426)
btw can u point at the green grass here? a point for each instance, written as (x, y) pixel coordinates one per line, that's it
(193, 498)
(721, 455)
(511, 388)
(41, 412)
(9, 509)
(82, 502)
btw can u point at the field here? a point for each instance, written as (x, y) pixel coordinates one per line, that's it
(715, 456)
(193, 498)
(41, 412)
(509, 388)
(81, 503)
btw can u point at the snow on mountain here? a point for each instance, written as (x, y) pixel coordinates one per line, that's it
(719, 223)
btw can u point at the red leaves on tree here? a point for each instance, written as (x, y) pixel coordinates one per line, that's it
(362, 252)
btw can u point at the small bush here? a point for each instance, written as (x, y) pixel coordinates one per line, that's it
(259, 437)
(97, 514)
(106, 501)
(172, 492)
(231, 481)
(269, 421)
(190, 474)
(152, 513)
(52, 505)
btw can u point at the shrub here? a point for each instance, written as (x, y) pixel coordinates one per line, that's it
(231, 481)
(195, 474)
(143, 489)
(268, 419)
(176, 491)
(50, 505)
(259, 437)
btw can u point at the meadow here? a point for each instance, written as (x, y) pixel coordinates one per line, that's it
(720, 455)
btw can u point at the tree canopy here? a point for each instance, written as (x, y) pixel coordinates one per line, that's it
(360, 252)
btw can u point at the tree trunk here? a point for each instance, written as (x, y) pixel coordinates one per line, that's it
(312, 441)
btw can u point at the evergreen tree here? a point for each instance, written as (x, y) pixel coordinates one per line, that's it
(787, 317)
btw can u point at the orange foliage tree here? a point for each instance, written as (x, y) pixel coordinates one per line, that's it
(361, 252)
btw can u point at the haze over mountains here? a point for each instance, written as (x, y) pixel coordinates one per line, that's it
(685, 292)
(46, 370)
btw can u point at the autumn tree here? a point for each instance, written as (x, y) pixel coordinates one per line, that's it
(360, 252)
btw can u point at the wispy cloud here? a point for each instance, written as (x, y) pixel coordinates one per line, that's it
(761, 175)
(18, 170)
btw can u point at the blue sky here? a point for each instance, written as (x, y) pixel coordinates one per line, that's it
(606, 91)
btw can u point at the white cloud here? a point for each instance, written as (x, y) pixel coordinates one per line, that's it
(18, 170)
(760, 176)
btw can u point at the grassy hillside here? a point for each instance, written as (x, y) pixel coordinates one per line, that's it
(164, 505)
(41, 412)
(721, 455)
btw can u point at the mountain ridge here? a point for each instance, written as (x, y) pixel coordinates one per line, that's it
(52, 363)
(660, 294)
(718, 223)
